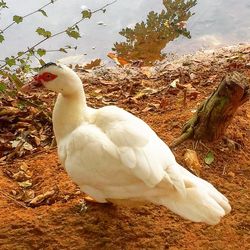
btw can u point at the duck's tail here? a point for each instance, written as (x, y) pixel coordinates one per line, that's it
(201, 202)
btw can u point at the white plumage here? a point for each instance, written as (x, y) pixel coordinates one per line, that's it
(113, 155)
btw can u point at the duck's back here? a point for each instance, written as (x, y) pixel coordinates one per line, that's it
(115, 149)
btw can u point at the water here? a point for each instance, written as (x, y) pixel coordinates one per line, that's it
(216, 23)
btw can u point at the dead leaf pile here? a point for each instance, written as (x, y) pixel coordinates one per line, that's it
(25, 125)
(28, 191)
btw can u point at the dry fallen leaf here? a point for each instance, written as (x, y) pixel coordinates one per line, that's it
(231, 174)
(148, 91)
(42, 197)
(148, 71)
(25, 184)
(92, 64)
(9, 111)
(118, 60)
(24, 167)
(25, 195)
(174, 83)
(21, 176)
(192, 161)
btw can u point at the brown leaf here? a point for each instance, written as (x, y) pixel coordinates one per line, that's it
(148, 71)
(24, 167)
(147, 109)
(174, 83)
(231, 174)
(92, 64)
(28, 146)
(42, 197)
(103, 82)
(117, 59)
(193, 95)
(25, 184)
(9, 111)
(25, 195)
(21, 176)
(192, 161)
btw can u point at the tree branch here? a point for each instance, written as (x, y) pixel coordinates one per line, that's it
(59, 33)
(27, 15)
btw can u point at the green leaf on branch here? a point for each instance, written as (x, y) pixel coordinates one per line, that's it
(42, 62)
(20, 53)
(10, 61)
(209, 158)
(26, 68)
(31, 52)
(1, 38)
(86, 14)
(41, 52)
(3, 73)
(3, 5)
(43, 12)
(22, 61)
(72, 32)
(17, 19)
(14, 78)
(43, 32)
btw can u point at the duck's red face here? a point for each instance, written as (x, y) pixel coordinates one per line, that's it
(38, 81)
(45, 77)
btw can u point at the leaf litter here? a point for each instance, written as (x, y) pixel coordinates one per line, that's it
(163, 110)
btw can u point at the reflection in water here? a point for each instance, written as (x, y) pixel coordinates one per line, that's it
(147, 39)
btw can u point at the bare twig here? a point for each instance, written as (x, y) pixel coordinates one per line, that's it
(13, 199)
(27, 15)
(57, 50)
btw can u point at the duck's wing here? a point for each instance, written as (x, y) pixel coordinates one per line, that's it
(139, 148)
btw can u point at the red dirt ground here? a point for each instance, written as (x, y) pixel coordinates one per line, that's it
(61, 225)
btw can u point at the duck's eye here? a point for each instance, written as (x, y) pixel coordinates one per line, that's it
(48, 76)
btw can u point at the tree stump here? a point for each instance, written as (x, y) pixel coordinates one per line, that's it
(215, 114)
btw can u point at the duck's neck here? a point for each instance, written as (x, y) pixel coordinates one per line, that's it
(68, 113)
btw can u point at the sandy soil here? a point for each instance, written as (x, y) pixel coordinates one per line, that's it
(62, 221)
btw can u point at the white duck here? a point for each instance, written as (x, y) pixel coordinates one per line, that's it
(113, 155)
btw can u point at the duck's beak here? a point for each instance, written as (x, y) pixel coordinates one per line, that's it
(32, 85)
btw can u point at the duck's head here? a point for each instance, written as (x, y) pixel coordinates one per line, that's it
(58, 78)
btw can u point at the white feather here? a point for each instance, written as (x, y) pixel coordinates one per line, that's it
(113, 155)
